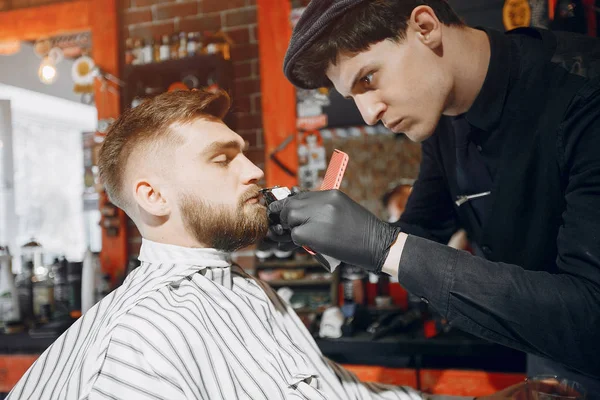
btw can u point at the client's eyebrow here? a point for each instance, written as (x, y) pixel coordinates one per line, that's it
(216, 147)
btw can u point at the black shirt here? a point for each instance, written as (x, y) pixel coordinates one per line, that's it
(484, 130)
(487, 108)
(538, 287)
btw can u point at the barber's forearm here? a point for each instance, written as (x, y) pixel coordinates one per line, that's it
(390, 266)
(505, 303)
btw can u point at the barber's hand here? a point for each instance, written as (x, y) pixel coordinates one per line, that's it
(330, 223)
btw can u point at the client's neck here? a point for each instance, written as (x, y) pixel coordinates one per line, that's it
(169, 234)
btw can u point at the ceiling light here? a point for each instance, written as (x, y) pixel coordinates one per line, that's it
(47, 71)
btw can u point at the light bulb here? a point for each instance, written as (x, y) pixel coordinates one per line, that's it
(47, 72)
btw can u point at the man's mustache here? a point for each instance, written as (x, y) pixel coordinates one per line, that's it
(254, 191)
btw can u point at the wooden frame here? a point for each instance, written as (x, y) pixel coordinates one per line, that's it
(278, 95)
(100, 17)
(38, 22)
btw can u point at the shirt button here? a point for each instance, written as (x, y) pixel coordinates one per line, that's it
(424, 300)
(479, 148)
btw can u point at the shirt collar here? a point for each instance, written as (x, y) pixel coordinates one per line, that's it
(178, 262)
(486, 111)
(155, 252)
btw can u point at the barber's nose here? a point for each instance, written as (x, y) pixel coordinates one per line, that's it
(371, 108)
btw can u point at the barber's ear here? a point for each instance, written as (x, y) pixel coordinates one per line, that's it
(427, 26)
(150, 198)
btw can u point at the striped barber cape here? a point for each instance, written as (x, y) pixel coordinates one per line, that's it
(187, 324)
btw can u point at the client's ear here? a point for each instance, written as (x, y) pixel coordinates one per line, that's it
(150, 198)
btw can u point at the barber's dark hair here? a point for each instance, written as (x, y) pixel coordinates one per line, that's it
(357, 29)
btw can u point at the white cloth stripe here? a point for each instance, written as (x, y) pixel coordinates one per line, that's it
(103, 393)
(276, 361)
(187, 324)
(234, 357)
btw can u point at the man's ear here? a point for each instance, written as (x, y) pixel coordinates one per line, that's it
(149, 197)
(427, 26)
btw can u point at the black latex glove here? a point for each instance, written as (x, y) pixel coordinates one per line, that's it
(330, 223)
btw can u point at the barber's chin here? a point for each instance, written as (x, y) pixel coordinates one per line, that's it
(418, 136)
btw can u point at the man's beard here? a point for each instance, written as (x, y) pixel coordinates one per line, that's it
(220, 227)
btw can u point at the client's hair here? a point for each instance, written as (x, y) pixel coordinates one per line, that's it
(148, 126)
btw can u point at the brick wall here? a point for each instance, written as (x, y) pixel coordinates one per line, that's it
(150, 18)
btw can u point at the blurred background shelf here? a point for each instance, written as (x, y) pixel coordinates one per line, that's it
(199, 63)
(301, 282)
(309, 263)
(391, 307)
(308, 310)
(148, 80)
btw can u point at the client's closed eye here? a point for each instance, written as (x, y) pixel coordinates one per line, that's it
(222, 160)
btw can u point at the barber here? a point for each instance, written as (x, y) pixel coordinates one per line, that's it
(510, 132)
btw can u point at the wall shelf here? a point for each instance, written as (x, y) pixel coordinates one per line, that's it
(309, 263)
(300, 282)
(160, 75)
(330, 283)
(309, 310)
(199, 62)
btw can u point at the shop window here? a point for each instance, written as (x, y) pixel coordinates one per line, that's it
(43, 192)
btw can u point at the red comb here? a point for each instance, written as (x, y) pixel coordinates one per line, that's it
(333, 175)
(335, 171)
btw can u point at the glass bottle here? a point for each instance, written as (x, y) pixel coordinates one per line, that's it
(165, 49)
(174, 47)
(182, 45)
(61, 289)
(32, 251)
(147, 52)
(129, 55)
(138, 56)
(42, 290)
(24, 285)
(191, 44)
(9, 304)
(156, 49)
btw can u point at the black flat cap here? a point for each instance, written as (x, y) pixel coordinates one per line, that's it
(315, 18)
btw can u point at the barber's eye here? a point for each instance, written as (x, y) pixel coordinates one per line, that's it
(367, 79)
